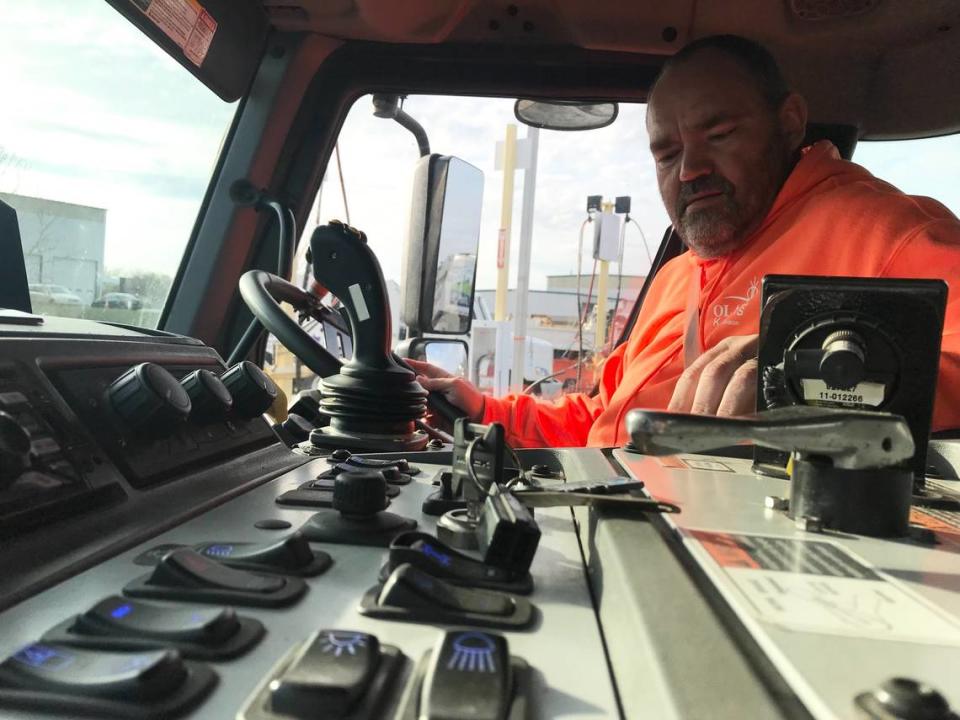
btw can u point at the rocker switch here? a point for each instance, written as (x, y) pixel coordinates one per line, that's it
(123, 617)
(468, 670)
(328, 677)
(185, 567)
(119, 676)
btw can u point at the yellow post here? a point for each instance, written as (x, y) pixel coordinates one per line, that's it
(601, 335)
(506, 215)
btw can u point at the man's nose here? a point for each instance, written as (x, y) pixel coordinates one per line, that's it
(694, 162)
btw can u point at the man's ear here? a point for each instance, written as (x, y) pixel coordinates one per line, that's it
(793, 119)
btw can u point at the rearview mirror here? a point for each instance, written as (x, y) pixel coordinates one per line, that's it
(446, 353)
(441, 251)
(565, 114)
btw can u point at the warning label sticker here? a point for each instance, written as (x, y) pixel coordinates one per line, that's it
(185, 22)
(817, 586)
(944, 524)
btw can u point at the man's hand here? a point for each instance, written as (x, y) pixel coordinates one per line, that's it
(456, 389)
(722, 381)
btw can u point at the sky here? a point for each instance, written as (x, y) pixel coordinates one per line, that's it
(95, 114)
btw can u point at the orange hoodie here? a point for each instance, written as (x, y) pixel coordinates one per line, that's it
(831, 217)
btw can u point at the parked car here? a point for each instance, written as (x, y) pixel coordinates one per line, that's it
(125, 301)
(54, 294)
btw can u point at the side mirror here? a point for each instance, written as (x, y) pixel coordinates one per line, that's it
(440, 264)
(446, 353)
(565, 114)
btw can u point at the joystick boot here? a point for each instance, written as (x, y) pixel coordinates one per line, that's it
(358, 517)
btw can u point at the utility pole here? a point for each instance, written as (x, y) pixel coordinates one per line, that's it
(521, 305)
(600, 337)
(508, 163)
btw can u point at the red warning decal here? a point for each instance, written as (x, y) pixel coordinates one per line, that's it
(186, 22)
(725, 549)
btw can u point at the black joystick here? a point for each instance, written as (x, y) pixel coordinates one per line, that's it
(357, 518)
(373, 402)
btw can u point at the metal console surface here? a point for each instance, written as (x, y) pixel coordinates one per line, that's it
(565, 649)
(832, 615)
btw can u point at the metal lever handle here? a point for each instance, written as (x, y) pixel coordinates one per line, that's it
(852, 439)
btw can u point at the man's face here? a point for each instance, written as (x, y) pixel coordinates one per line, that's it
(720, 151)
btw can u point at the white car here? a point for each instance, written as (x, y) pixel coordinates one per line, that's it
(55, 294)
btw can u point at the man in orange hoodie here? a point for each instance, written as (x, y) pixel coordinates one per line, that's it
(748, 200)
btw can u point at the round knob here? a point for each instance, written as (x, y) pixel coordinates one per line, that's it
(340, 455)
(208, 395)
(146, 394)
(14, 448)
(907, 699)
(844, 357)
(360, 492)
(252, 391)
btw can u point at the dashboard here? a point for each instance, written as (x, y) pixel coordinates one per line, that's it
(154, 567)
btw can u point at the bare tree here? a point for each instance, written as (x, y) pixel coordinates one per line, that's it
(11, 165)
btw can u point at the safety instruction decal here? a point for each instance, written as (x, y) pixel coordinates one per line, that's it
(818, 586)
(185, 22)
(944, 524)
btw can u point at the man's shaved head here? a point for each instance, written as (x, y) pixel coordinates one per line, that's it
(725, 131)
(752, 56)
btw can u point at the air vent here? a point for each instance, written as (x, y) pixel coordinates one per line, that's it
(831, 9)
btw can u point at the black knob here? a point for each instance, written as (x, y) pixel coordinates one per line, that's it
(339, 455)
(208, 395)
(360, 492)
(843, 360)
(905, 699)
(146, 394)
(252, 391)
(14, 448)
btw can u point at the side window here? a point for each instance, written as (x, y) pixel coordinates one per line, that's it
(917, 167)
(371, 186)
(104, 171)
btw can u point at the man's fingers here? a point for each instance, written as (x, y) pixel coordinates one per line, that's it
(426, 369)
(740, 397)
(713, 384)
(686, 388)
(701, 388)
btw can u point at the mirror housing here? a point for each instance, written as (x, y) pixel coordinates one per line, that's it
(440, 256)
(448, 353)
(565, 114)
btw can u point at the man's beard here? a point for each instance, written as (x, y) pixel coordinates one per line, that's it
(713, 230)
(723, 225)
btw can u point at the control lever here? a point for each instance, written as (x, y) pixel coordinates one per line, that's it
(849, 470)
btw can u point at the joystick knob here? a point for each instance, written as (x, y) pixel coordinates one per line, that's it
(14, 449)
(146, 394)
(360, 493)
(252, 391)
(208, 395)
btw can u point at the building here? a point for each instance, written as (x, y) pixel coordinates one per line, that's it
(553, 312)
(63, 244)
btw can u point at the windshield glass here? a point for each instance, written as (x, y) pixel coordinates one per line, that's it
(106, 148)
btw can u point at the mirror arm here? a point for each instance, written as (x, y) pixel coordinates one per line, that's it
(417, 129)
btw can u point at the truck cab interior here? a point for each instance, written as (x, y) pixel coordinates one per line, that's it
(181, 538)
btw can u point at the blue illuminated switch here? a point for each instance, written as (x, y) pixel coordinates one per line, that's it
(120, 676)
(328, 676)
(126, 617)
(469, 676)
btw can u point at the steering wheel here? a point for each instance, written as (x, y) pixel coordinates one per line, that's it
(263, 293)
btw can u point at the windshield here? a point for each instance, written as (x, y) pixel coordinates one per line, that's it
(106, 148)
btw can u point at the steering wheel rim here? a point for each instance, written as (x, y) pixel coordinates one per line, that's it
(263, 292)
